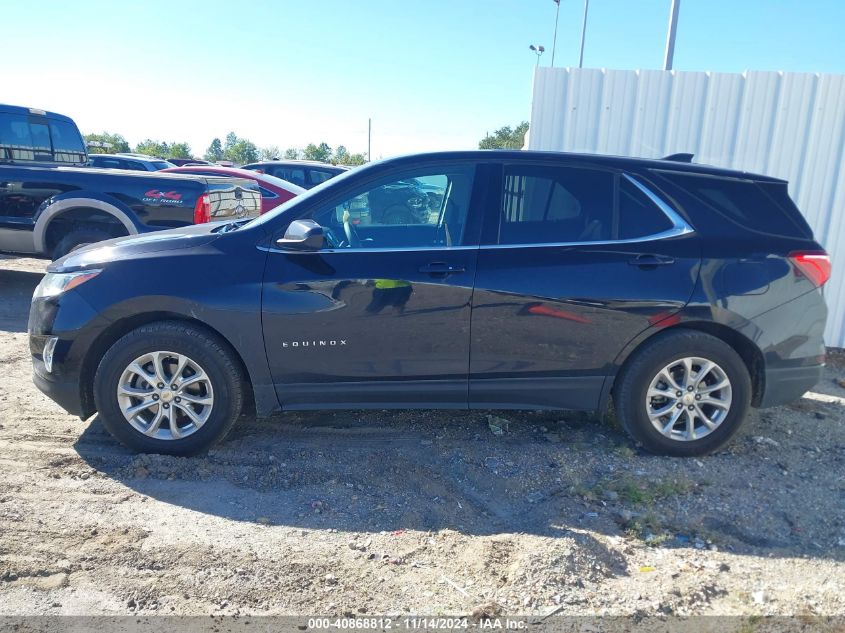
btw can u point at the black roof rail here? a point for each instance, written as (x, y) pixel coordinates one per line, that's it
(679, 158)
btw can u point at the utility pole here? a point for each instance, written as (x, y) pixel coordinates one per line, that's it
(670, 36)
(583, 33)
(369, 140)
(554, 41)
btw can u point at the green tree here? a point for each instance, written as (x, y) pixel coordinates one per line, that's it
(231, 139)
(214, 152)
(505, 138)
(341, 155)
(271, 152)
(321, 152)
(241, 152)
(152, 148)
(355, 159)
(110, 143)
(291, 153)
(179, 150)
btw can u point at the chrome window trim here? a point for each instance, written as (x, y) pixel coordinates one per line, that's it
(387, 249)
(678, 223)
(679, 227)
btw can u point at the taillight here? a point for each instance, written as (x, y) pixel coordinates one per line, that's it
(814, 265)
(202, 210)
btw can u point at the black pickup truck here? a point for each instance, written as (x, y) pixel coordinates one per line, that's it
(51, 203)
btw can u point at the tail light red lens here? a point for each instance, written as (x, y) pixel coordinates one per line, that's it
(202, 210)
(814, 265)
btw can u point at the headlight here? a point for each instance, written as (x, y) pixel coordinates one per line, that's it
(56, 283)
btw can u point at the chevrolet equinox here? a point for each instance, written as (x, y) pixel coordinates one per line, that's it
(522, 280)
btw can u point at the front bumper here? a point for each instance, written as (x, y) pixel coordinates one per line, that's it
(786, 384)
(66, 393)
(70, 319)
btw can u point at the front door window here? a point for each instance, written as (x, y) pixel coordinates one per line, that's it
(420, 209)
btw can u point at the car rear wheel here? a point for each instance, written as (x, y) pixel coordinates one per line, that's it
(684, 393)
(168, 387)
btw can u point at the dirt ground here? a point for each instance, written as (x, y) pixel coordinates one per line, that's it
(426, 512)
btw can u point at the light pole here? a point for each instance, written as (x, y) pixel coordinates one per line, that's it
(554, 41)
(669, 57)
(538, 49)
(583, 33)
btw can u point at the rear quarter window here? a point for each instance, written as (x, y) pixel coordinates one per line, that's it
(763, 207)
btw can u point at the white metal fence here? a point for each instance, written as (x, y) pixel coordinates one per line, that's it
(788, 125)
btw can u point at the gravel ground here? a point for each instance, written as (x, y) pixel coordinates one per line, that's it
(425, 512)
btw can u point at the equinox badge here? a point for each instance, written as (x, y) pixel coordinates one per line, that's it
(321, 343)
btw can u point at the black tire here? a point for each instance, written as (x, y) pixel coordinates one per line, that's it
(208, 350)
(77, 239)
(632, 383)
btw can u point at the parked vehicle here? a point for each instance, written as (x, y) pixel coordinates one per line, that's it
(305, 173)
(274, 191)
(51, 204)
(136, 162)
(544, 281)
(181, 162)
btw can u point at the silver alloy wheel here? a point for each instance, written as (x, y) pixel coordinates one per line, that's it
(688, 399)
(165, 395)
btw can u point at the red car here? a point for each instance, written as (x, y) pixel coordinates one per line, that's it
(274, 191)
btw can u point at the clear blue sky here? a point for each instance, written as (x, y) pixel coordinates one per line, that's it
(433, 74)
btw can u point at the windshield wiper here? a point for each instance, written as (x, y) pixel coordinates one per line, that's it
(232, 226)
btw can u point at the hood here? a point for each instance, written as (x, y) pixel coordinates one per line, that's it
(133, 245)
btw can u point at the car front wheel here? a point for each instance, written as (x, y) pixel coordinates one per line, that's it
(685, 393)
(170, 388)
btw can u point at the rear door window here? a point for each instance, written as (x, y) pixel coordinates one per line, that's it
(543, 204)
(638, 215)
(296, 175)
(317, 176)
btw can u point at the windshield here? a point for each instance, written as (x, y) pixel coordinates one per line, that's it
(302, 199)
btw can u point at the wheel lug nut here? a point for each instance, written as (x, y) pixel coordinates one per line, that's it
(679, 393)
(680, 406)
(689, 388)
(178, 399)
(155, 396)
(160, 385)
(167, 406)
(698, 396)
(689, 407)
(173, 387)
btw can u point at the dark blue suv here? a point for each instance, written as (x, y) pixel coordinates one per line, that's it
(528, 280)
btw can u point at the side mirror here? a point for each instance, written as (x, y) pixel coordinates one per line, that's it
(303, 235)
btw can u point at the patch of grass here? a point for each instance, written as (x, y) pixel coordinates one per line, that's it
(644, 492)
(624, 451)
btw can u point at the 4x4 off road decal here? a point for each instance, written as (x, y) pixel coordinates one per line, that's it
(164, 197)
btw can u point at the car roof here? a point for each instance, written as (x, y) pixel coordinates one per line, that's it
(10, 109)
(598, 160)
(139, 157)
(297, 163)
(235, 172)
